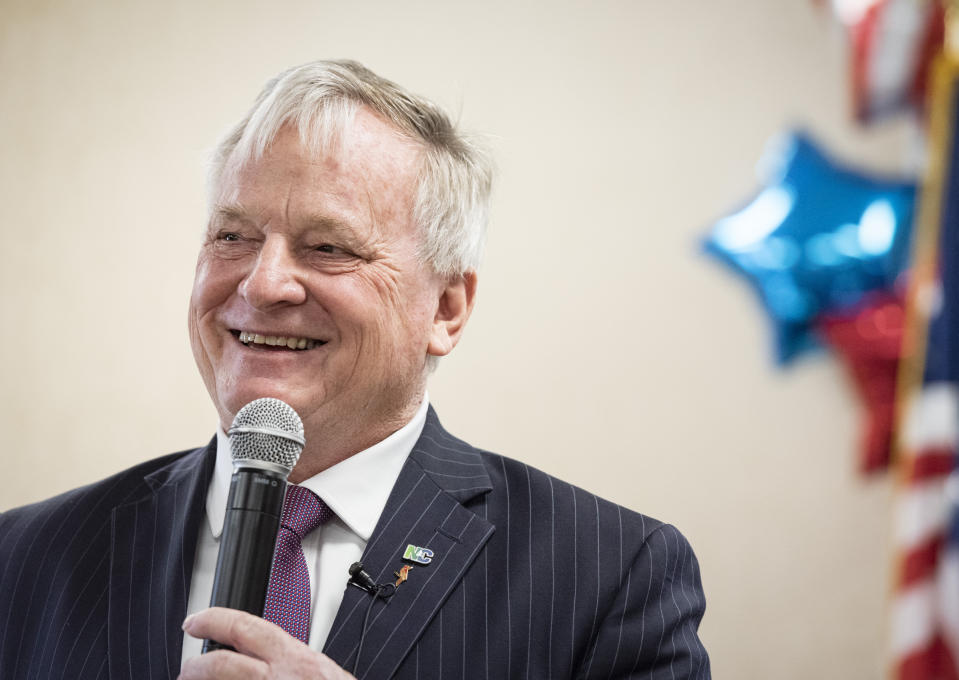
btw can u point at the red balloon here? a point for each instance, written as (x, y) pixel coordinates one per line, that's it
(869, 341)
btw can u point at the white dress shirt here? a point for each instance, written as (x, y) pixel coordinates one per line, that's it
(356, 489)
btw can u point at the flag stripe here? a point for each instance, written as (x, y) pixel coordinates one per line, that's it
(934, 661)
(931, 463)
(920, 562)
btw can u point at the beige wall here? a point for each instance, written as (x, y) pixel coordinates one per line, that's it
(604, 349)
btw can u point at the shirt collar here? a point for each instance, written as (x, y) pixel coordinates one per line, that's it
(356, 489)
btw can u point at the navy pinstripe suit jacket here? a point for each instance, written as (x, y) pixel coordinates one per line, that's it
(531, 578)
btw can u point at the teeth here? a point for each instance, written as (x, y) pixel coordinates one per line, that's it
(249, 338)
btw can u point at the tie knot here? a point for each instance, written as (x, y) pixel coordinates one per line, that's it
(303, 511)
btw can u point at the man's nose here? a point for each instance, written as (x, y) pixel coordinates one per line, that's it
(275, 277)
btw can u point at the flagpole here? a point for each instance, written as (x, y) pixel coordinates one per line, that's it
(926, 232)
(921, 301)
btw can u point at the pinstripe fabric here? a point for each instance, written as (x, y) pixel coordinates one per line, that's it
(93, 583)
(531, 577)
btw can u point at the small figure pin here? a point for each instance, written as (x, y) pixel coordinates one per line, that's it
(402, 575)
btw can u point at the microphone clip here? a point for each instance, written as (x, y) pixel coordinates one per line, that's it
(365, 582)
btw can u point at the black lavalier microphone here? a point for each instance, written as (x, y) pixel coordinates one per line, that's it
(266, 439)
(362, 580)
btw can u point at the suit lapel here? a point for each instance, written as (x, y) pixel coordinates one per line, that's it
(425, 509)
(151, 564)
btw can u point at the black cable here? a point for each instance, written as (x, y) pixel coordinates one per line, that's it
(384, 591)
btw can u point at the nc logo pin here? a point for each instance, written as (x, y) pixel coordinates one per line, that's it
(417, 554)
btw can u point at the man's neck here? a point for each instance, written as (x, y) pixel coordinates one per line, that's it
(324, 450)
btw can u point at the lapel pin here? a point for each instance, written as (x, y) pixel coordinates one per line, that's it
(402, 575)
(417, 554)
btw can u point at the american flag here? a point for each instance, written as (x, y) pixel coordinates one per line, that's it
(892, 44)
(925, 608)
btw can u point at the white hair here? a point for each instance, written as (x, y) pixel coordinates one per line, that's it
(320, 99)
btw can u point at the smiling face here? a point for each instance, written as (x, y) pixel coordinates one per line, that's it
(309, 289)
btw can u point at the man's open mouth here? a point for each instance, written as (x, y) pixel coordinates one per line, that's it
(276, 341)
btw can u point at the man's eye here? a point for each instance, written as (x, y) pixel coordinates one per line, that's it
(332, 250)
(229, 236)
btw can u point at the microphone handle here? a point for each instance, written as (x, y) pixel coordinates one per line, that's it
(245, 558)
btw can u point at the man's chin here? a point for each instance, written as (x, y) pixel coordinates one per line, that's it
(231, 403)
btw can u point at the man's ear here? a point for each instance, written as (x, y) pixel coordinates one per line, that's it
(452, 311)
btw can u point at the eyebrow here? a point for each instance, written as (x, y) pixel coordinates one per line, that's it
(232, 212)
(327, 224)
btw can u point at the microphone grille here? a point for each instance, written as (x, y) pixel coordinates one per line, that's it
(267, 430)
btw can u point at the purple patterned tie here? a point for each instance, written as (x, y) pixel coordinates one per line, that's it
(288, 596)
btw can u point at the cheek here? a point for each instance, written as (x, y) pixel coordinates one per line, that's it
(212, 287)
(399, 306)
(405, 318)
(194, 323)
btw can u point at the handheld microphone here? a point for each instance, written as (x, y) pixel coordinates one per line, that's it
(266, 439)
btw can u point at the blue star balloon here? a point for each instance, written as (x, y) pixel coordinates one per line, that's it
(816, 238)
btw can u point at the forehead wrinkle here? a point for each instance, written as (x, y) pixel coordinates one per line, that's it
(374, 223)
(287, 202)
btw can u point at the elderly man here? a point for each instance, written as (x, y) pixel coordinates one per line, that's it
(339, 263)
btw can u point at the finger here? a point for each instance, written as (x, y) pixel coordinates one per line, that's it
(330, 670)
(246, 633)
(223, 665)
